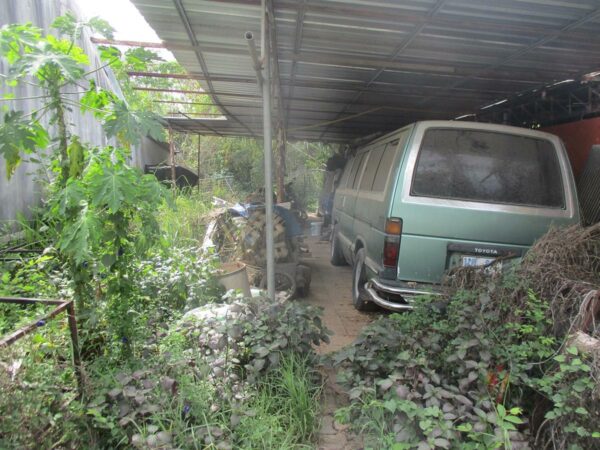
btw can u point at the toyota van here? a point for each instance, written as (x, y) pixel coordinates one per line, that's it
(436, 195)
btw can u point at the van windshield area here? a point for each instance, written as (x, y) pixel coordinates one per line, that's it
(487, 166)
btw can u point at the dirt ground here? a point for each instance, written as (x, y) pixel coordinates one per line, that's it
(331, 289)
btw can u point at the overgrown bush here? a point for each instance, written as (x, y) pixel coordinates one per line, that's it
(235, 375)
(493, 370)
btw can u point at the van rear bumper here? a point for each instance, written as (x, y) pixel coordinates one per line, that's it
(394, 298)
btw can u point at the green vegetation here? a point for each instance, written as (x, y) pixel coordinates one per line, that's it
(242, 375)
(494, 369)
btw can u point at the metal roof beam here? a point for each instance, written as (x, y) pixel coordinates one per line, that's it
(297, 44)
(396, 52)
(192, 37)
(523, 51)
(391, 15)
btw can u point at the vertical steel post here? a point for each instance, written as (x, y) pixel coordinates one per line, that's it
(199, 144)
(172, 159)
(267, 142)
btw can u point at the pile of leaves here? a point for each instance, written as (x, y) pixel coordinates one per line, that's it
(495, 369)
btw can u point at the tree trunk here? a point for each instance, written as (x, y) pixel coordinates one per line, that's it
(280, 168)
(63, 142)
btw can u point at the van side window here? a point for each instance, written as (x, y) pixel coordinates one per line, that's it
(346, 174)
(372, 165)
(356, 170)
(490, 167)
(385, 165)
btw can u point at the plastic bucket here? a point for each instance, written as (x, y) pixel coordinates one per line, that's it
(315, 228)
(233, 276)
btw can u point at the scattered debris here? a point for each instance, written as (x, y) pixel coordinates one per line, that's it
(237, 233)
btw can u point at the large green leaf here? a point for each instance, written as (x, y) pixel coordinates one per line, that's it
(76, 153)
(139, 58)
(43, 59)
(78, 237)
(69, 25)
(66, 47)
(16, 39)
(71, 197)
(130, 125)
(96, 100)
(112, 187)
(20, 135)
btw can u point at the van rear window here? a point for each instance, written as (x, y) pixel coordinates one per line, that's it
(488, 166)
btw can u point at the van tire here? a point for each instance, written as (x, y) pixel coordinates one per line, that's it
(337, 256)
(360, 298)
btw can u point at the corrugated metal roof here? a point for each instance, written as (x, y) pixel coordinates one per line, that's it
(352, 68)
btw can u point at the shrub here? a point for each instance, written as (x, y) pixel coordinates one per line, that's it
(477, 375)
(212, 381)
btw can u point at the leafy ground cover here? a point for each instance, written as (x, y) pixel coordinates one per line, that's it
(126, 250)
(241, 375)
(494, 369)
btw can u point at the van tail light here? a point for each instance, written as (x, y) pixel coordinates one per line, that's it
(391, 243)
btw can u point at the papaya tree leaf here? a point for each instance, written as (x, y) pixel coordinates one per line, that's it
(101, 26)
(20, 135)
(45, 58)
(96, 100)
(67, 24)
(112, 187)
(76, 153)
(16, 39)
(139, 58)
(78, 237)
(130, 125)
(71, 197)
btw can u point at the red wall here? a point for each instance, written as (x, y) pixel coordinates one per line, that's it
(578, 138)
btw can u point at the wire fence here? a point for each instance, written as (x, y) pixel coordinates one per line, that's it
(218, 186)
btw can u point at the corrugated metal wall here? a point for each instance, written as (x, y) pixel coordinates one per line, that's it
(588, 186)
(21, 192)
(578, 137)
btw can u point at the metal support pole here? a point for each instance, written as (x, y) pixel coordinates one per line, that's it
(75, 346)
(249, 36)
(267, 138)
(199, 145)
(172, 159)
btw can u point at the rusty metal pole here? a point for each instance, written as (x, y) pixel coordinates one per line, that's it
(199, 146)
(280, 170)
(172, 159)
(268, 151)
(75, 346)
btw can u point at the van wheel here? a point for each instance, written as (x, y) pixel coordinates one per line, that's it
(360, 297)
(337, 257)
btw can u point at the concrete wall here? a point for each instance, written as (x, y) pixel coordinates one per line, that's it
(22, 192)
(578, 138)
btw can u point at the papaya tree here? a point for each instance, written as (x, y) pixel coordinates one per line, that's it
(99, 212)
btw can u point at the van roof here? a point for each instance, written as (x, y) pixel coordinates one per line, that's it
(468, 125)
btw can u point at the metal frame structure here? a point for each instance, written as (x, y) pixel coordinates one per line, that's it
(66, 306)
(344, 70)
(347, 69)
(567, 101)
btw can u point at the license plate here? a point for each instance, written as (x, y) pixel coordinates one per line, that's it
(474, 261)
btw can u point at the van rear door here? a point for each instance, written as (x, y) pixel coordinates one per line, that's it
(473, 192)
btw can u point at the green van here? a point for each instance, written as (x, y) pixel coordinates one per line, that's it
(441, 194)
